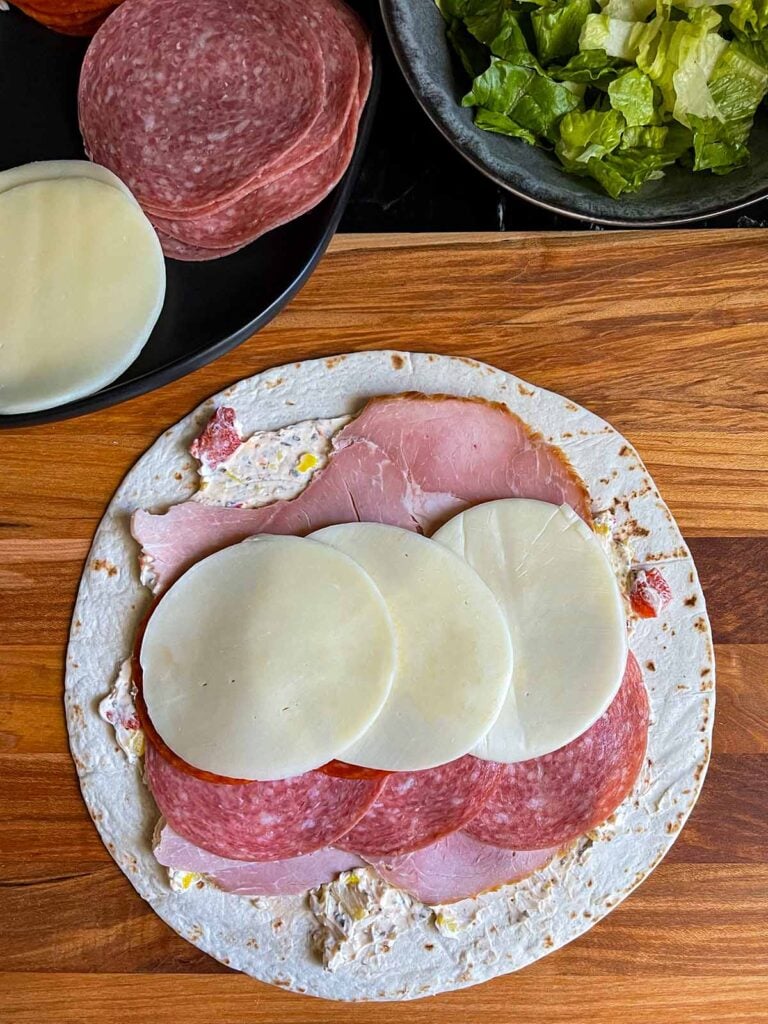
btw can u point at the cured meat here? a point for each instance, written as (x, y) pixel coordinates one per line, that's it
(458, 452)
(176, 250)
(263, 821)
(457, 867)
(414, 809)
(254, 878)
(358, 484)
(265, 208)
(550, 800)
(219, 440)
(189, 101)
(307, 177)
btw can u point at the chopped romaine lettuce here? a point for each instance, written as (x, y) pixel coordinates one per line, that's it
(621, 89)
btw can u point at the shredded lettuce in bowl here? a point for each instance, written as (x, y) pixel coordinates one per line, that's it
(618, 89)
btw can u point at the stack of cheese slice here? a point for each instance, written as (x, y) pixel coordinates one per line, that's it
(83, 282)
(503, 636)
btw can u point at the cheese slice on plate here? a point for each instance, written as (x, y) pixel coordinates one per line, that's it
(51, 170)
(267, 659)
(83, 284)
(565, 613)
(454, 652)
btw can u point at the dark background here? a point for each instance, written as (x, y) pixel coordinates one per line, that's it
(413, 180)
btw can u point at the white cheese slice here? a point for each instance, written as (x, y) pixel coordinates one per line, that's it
(83, 285)
(565, 613)
(267, 659)
(454, 651)
(51, 170)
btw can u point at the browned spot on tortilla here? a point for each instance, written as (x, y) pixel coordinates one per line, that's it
(571, 407)
(77, 714)
(97, 816)
(681, 686)
(277, 924)
(334, 361)
(690, 577)
(548, 942)
(75, 664)
(590, 882)
(650, 666)
(102, 565)
(252, 944)
(281, 982)
(273, 383)
(672, 827)
(701, 625)
(528, 392)
(397, 361)
(466, 360)
(431, 358)
(625, 450)
(639, 531)
(78, 623)
(690, 602)
(225, 960)
(568, 434)
(200, 884)
(587, 914)
(429, 946)
(178, 476)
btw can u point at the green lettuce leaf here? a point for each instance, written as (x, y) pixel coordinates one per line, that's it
(588, 134)
(749, 18)
(543, 105)
(632, 95)
(500, 87)
(590, 66)
(491, 121)
(556, 29)
(616, 37)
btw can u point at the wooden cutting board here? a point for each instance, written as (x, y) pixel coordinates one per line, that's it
(663, 334)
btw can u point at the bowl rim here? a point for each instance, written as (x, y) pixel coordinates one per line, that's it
(605, 221)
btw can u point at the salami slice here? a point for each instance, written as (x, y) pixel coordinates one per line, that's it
(458, 867)
(188, 101)
(268, 207)
(550, 800)
(415, 809)
(260, 821)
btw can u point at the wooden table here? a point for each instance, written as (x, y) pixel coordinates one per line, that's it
(665, 335)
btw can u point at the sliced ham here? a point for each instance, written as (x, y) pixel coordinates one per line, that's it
(264, 821)
(254, 878)
(415, 809)
(358, 483)
(550, 800)
(409, 461)
(457, 867)
(458, 452)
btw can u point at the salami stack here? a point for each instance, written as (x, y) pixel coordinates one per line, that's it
(225, 118)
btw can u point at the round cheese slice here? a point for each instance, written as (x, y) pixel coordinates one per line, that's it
(83, 285)
(51, 170)
(454, 652)
(267, 659)
(565, 613)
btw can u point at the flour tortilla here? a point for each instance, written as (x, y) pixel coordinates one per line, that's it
(498, 932)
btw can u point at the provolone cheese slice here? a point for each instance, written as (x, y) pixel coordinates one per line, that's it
(565, 613)
(267, 659)
(454, 652)
(83, 285)
(51, 170)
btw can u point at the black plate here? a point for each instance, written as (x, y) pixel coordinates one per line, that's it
(209, 307)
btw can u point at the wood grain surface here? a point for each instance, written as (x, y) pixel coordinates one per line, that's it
(663, 334)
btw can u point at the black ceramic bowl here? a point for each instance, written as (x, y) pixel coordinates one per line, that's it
(416, 31)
